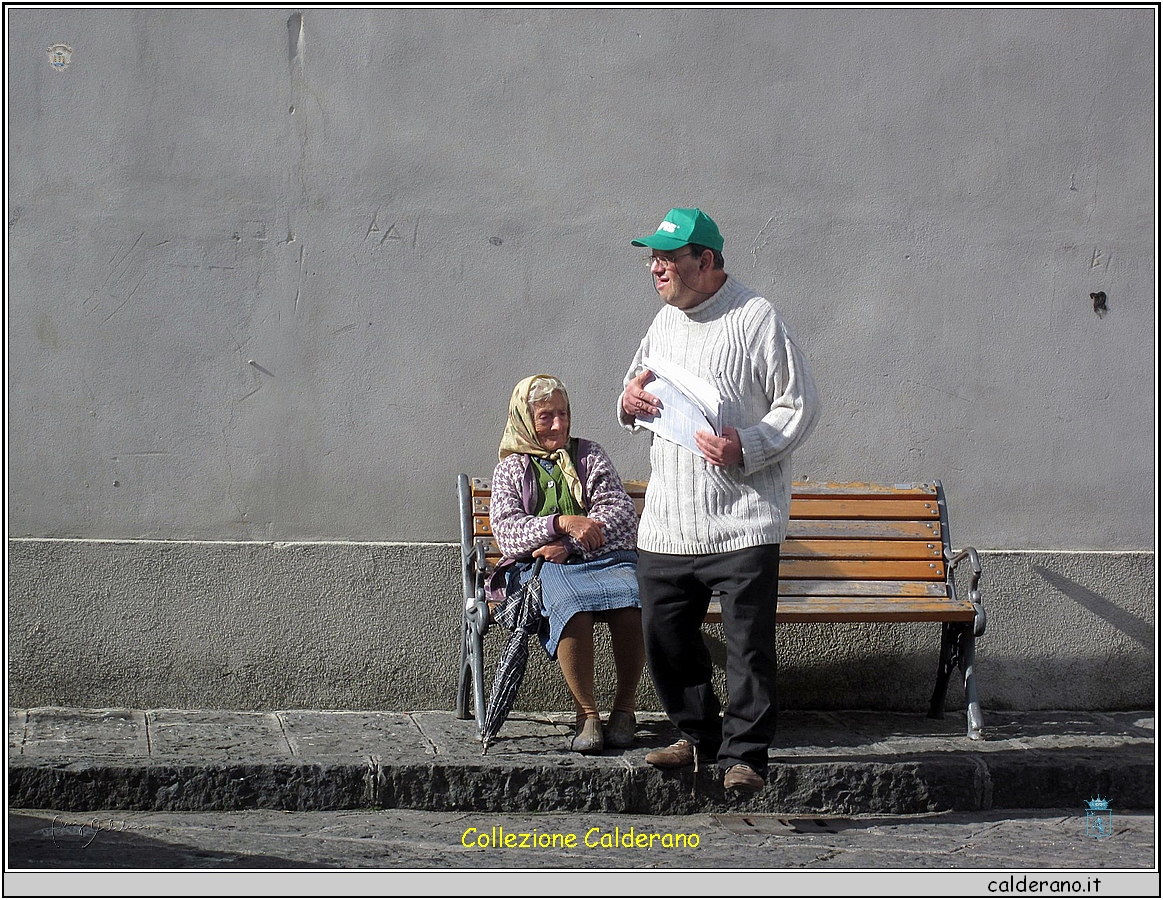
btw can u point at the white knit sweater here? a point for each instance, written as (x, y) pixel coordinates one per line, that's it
(737, 341)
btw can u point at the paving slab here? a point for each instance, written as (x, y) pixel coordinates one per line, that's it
(841, 734)
(57, 733)
(215, 734)
(336, 735)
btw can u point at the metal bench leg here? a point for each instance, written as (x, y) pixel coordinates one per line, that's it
(477, 664)
(471, 685)
(957, 652)
(464, 684)
(945, 666)
(973, 708)
(474, 612)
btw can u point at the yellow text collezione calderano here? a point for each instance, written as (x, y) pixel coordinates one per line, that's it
(497, 838)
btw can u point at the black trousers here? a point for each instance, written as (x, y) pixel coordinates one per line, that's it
(675, 592)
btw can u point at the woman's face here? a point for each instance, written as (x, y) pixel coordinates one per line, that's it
(551, 422)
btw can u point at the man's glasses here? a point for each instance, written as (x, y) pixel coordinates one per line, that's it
(665, 261)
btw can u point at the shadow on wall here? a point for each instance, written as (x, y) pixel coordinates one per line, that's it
(1133, 627)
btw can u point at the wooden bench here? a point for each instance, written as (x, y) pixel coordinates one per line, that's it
(855, 552)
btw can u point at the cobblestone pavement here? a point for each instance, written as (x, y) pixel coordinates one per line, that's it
(963, 854)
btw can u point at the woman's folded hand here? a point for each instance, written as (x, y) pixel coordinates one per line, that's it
(554, 552)
(587, 532)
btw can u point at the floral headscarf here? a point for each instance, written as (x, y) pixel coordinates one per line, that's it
(521, 437)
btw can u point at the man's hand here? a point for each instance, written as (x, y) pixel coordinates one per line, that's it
(635, 401)
(721, 451)
(586, 531)
(554, 552)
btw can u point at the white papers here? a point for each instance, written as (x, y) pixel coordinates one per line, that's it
(688, 404)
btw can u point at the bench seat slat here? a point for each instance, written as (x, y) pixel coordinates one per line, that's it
(871, 609)
(803, 587)
(862, 609)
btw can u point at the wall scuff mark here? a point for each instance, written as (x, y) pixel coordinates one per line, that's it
(295, 38)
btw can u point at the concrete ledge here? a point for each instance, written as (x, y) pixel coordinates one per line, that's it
(341, 625)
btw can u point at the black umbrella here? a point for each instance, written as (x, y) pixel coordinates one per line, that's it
(521, 614)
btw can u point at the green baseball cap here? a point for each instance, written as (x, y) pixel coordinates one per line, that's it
(682, 227)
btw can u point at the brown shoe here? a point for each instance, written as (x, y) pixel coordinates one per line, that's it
(679, 754)
(743, 778)
(619, 731)
(588, 738)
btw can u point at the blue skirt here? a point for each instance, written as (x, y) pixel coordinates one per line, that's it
(597, 586)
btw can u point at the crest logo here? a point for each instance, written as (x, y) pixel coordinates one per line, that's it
(1099, 818)
(668, 226)
(59, 56)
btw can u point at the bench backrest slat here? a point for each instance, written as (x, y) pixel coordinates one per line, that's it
(864, 509)
(799, 548)
(861, 569)
(885, 530)
(861, 490)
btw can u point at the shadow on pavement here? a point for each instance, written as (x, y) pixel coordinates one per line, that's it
(84, 841)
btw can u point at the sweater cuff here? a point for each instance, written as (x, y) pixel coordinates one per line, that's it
(752, 449)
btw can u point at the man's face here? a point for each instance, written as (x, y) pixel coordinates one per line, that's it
(676, 275)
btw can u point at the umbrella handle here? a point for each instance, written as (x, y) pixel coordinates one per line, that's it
(537, 564)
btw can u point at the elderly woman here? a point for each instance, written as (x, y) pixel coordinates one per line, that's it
(560, 498)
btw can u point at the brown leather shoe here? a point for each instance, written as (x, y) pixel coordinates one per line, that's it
(588, 738)
(680, 753)
(742, 777)
(619, 731)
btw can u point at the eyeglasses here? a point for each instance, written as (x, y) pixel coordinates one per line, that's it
(665, 261)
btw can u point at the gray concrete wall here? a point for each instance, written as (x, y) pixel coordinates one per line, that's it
(273, 273)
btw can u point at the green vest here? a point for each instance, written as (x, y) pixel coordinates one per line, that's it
(553, 494)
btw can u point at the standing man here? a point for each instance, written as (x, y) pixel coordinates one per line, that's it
(715, 521)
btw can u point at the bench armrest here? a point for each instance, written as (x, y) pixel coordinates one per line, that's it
(959, 556)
